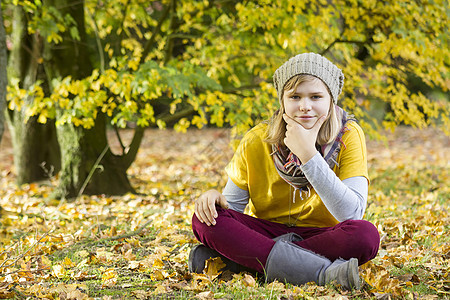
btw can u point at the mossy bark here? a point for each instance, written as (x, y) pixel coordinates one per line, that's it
(80, 147)
(3, 76)
(36, 150)
(41, 150)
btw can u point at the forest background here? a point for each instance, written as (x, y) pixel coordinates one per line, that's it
(98, 201)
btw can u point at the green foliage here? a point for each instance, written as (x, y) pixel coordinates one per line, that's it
(217, 58)
(47, 21)
(122, 95)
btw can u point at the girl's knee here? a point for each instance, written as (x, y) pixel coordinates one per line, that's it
(364, 237)
(368, 239)
(200, 228)
(368, 233)
(195, 222)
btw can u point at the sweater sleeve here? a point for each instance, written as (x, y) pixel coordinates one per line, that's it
(344, 199)
(237, 198)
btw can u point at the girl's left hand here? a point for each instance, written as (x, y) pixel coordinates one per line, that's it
(302, 141)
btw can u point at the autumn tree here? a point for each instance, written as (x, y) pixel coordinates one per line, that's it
(81, 147)
(88, 165)
(3, 75)
(200, 62)
(36, 151)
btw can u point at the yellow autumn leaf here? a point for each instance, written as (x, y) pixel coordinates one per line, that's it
(109, 278)
(249, 281)
(129, 255)
(77, 294)
(58, 271)
(158, 263)
(44, 262)
(205, 295)
(133, 265)
(42, 118)
(213, 267)
(141, 294)
(158, 275)
(68, 263)
(276, 286)
(160, 289)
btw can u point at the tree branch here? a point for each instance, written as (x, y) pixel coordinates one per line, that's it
(128, 158)
(169, 39)
(122, 23)
(3, 75)
(128, 235)
(120, 139)
(23, 254)
(167, 117)
(99, 43)
(151, 42)
(336, 41)
(91, 173)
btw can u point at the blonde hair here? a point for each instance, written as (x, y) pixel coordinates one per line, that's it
(277, 126)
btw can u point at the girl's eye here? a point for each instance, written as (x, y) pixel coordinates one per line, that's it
(316, 97)
(295, 97)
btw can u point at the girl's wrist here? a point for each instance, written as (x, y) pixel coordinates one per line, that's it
(307, 155)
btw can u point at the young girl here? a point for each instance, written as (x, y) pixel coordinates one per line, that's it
(304, 176)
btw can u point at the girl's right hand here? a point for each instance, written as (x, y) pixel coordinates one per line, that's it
(205, 206)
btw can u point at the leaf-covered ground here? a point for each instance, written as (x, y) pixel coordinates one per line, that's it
(136, 246)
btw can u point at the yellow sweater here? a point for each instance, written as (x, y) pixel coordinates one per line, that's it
(271, 198)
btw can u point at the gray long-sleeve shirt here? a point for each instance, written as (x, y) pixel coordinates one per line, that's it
(344, 199)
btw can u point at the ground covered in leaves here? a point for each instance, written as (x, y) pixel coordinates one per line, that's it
(136, 246)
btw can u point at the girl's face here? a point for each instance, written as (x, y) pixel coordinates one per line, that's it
(308, 102)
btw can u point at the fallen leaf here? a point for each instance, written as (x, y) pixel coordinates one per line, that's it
(133, 265)
(213, 267)
(129, 255)
(158, 263)
(409, 278)
(141, 294)
(68, 263)
(58, 271)
(249, 281)
(158, 275)
(109, 278)
(205, 295)
(200, 282)
(382, 296)
(160, 289)
(80, 276)
(276, 286)
(6, 291)
(76, 295)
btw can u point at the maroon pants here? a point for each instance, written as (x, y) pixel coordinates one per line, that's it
(248, 240)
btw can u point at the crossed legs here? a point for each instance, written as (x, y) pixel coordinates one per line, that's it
(248, 241)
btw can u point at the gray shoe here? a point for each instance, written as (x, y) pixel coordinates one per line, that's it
(296, 265)
(344, 272)
(198, 256)
(200, 253)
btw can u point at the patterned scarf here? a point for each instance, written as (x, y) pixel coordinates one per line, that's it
(288, 164)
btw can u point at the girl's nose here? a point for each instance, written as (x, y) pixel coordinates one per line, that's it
(304, 105)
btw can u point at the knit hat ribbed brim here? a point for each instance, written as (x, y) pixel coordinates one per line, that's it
(310, 64)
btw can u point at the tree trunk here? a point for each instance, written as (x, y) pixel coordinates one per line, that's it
(3, 76)
(88, 166)
(36, 151)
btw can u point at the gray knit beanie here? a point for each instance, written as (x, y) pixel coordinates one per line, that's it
(311, 64)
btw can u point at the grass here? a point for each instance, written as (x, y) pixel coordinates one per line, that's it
(408, 202)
